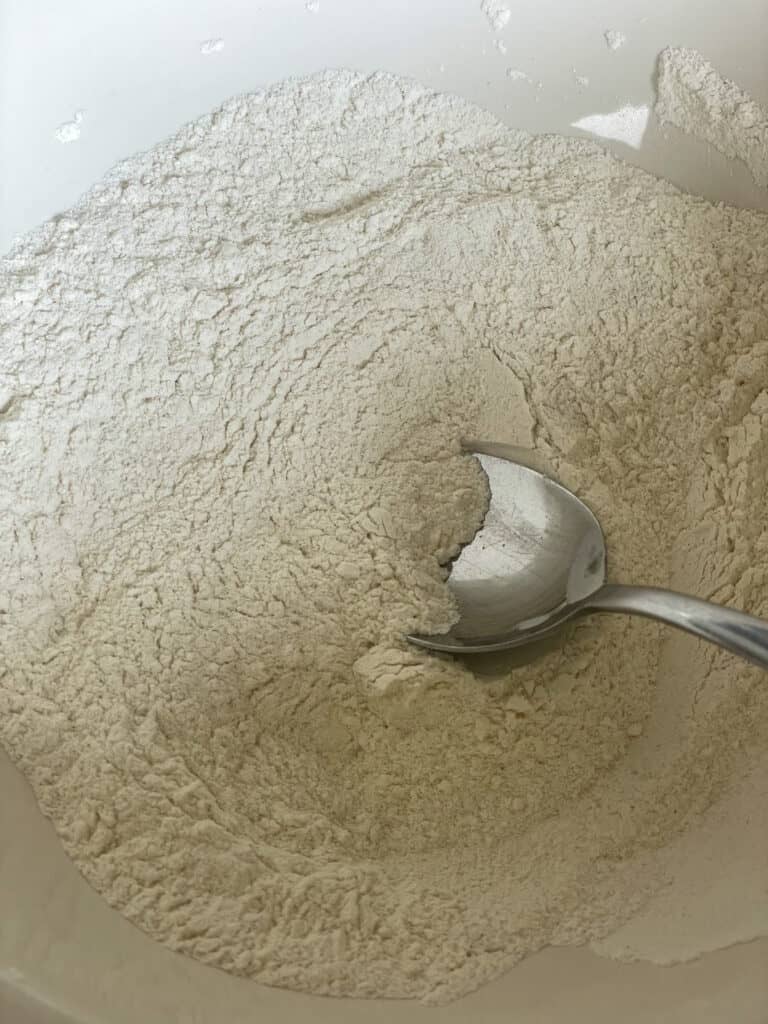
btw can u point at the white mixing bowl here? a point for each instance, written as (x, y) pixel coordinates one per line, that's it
(137, 72)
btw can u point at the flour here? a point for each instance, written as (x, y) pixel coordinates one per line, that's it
(497, 14)
(614, 39)
(694, 97)
(70, 130)
(210, 46)
(234, 380)
(627, 125)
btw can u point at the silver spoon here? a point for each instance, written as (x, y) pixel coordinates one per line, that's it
(539, 561)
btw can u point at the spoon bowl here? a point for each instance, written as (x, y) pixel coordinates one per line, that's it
(539, 560)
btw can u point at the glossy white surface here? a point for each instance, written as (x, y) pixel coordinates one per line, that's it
(136, 72)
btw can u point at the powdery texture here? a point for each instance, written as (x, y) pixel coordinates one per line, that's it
(210, 46)
(234, 378)
(614, 39)
(694, 97)
(69, 131)
(497, 14)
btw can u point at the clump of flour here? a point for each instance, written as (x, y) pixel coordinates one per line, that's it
(234, 380)
(693, 96)
(70, 130)
(497, 14)
(614, 39)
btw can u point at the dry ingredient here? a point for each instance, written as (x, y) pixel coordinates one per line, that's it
(232, 386)
(694, 96)
(497, 14)
(210, 46)
(614, 39)
(69, 131)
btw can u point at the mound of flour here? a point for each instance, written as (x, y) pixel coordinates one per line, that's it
(233, 383)
(694, 97)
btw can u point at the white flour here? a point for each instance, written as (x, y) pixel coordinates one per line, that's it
(211, 46)
(694, 97)
(614, 39)
(70, 130)
(233, 383)
(497, 14)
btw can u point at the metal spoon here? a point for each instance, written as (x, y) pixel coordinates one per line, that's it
(539, 560)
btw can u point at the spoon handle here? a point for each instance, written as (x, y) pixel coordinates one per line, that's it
(738, 632)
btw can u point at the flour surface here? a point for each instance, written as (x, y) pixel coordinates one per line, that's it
(233, 383)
